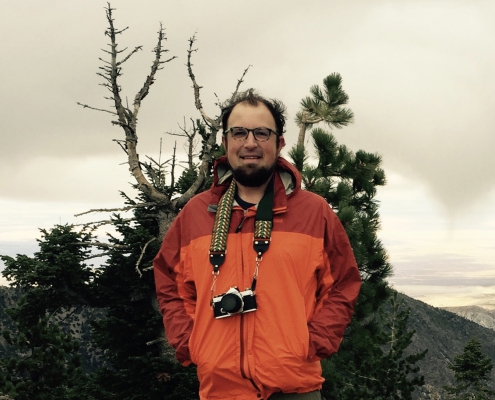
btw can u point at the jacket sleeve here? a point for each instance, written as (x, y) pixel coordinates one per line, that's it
(176, 295)
(339, 282)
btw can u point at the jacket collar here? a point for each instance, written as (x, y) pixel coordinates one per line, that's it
(287, 182)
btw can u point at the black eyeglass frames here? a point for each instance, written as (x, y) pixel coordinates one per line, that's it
(260, 134)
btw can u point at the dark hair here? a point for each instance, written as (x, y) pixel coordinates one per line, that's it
(276, 108)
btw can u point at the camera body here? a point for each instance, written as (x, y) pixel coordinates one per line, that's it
(233, 302)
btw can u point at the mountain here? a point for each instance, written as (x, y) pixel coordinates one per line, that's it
(444, 334)
(476, 314)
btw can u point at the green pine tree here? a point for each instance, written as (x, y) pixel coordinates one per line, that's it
(138, 366)
(349, 181)
(472, 374)
(389, 373)
(54, 280)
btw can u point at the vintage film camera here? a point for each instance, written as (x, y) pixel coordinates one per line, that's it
(233, 302)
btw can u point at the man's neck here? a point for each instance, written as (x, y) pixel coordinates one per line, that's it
(251, 194)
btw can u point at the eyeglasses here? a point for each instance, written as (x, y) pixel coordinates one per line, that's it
(261, 134)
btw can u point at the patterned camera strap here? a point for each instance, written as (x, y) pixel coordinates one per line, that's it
(262, 225)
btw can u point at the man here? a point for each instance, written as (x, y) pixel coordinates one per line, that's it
(256, 279)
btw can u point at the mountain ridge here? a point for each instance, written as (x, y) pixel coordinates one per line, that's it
(444, 333)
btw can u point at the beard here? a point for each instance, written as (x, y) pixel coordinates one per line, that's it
(253, 176)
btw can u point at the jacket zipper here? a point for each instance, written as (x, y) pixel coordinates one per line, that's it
(243, 364)
(239, 227)
(243, 369)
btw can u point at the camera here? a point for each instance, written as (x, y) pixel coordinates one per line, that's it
(233, 302)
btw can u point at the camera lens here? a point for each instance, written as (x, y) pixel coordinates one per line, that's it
(231, 303)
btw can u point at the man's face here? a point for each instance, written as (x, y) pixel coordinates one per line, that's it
(253, 162)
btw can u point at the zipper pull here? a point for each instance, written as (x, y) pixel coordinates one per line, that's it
(239, 227)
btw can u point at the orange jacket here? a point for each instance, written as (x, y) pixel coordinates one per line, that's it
(307, 287)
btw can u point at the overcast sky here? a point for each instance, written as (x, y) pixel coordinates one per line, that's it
(420, 76)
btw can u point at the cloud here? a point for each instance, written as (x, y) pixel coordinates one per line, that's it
(447, 280)
(443, 270)
(453, 296)
(419, 75)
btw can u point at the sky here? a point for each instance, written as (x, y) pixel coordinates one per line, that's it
(419, 75)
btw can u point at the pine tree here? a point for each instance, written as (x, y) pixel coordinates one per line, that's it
(137, 367)
(54, 280)
(472, 374)
(349, 181)
(390, 374)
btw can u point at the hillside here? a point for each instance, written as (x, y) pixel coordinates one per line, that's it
(444, 334)
(77, 322)
(476, 314)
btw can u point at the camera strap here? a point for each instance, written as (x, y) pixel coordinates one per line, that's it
(262, 229)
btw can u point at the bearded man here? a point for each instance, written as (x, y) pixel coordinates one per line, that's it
(256, 279)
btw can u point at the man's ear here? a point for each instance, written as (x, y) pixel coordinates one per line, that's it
(281, 144)
(224, 142)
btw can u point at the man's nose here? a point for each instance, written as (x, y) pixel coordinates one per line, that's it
(250, 141)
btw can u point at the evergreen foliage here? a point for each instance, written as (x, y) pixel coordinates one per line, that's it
(391, 373)
(49, 366)
(472, 374)
(137, 366)
(326, 104)
(348, 181)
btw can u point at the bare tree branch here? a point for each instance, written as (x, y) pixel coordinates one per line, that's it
(126, 118)
(122, 144)
(129, 55)
(103, 245)
(97, 109)
(141, 256)
(158, 50)
(104, 254)
(127, 208)
(172, 171)
(96, 224)
(151, 342)
(197, 101)
(175, 134)
(158, 164)
(239, 81)
(190, 140)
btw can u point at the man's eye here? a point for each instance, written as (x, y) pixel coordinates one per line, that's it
(239, 133)
(262, 133)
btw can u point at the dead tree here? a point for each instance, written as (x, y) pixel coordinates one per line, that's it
(125, 117)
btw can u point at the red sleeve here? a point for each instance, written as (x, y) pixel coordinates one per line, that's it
(175, 295)
(339, 282)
